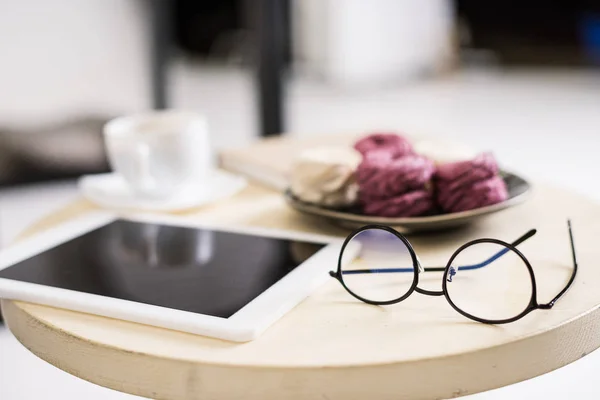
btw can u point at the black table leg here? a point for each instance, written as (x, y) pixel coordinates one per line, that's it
(271, 25)
(159, 52)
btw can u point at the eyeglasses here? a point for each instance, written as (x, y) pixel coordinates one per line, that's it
(486, 280)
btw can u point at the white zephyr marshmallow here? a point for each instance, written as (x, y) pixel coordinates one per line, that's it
(326, 176)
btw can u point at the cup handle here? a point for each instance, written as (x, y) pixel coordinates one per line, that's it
(142, 160)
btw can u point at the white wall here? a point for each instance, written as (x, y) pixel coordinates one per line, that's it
(64, 57)
(375, 42)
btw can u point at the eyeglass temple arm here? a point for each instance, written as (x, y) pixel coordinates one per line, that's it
(490, 260)
(550, 304)
(433, 269)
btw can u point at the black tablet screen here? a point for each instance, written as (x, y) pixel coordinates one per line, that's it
(203, 271)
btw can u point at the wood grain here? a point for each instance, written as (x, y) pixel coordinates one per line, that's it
(333, 347)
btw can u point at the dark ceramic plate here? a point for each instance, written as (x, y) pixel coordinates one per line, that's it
(518, 191)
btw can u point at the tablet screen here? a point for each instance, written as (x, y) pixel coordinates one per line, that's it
(203, 271)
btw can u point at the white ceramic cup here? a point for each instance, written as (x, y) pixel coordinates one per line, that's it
(159, 152)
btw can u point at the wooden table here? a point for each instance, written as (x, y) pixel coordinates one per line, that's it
(333, 347)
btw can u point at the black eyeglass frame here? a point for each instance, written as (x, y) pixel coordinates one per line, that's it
(534, 304)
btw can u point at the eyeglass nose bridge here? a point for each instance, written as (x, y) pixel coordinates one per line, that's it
(427, 292)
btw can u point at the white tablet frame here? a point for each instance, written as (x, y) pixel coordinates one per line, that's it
(245, 325)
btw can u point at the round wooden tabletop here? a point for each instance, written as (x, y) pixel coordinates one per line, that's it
(334, 347)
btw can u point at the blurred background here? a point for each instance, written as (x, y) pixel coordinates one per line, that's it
(519, 77)
(264, 67)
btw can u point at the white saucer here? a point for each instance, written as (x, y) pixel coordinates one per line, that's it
(111, 191)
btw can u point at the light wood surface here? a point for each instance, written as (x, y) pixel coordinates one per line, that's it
(333, 347)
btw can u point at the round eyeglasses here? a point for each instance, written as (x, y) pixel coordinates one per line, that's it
(486, 280)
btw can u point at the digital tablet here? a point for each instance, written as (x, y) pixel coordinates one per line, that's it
(223, 282)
